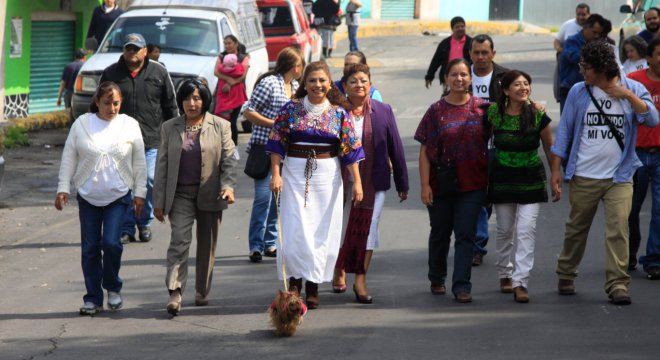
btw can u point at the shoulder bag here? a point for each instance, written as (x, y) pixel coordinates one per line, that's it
(258, 162)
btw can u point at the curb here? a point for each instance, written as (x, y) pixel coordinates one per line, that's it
(51, 120)
(418, 27)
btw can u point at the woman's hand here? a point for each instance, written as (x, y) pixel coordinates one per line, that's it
(555, 185)
(276, 183)
(138, 204)
(159, 214)
(60, 200)
(227, 195)
(427, 195)
(226, 88)
(403, 196)
(357, 193)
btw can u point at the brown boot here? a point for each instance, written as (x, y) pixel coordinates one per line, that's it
(520, 294)
(295, 285)
(506, 286)
(312, 295)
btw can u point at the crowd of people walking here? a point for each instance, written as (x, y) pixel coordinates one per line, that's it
(319, 145)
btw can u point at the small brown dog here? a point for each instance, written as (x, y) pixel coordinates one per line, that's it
(286, 312)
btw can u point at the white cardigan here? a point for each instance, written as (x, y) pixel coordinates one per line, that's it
(80, 156)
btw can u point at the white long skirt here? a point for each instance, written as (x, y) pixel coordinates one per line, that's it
(311, 235)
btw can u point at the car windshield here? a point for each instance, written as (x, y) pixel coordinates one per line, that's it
(276, 21)
(175, 35)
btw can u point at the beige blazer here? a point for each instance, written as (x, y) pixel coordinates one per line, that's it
(218, 163)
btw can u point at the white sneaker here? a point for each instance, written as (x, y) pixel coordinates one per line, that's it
(114, 300)
(89, 308)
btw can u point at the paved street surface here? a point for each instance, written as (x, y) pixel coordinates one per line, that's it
(43, 286)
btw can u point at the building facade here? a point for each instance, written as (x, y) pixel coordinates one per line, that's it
(40, 37)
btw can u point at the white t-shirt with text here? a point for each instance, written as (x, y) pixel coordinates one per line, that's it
(599, 153)
(630, 66)
(481, 85)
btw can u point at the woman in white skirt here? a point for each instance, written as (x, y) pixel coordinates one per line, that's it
(315, 137)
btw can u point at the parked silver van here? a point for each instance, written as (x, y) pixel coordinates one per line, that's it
(190, 34)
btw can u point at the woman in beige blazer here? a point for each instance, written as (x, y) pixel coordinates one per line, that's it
(195, 179)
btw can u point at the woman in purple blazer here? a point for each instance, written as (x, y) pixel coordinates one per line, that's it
(376, 127)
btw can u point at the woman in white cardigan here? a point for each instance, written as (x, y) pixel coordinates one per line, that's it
(104, 160)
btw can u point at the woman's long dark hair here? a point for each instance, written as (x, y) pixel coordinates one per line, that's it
(105, 88)
(286, 60)
(334, 95)
(528, 111)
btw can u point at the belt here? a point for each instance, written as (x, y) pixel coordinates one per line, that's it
(651, 149)
(316, 151)
(311, 153)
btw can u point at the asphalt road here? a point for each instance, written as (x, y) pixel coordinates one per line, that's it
(43, 286)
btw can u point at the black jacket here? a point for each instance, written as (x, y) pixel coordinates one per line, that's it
(325, 9)
(149, 98)
(441, 58)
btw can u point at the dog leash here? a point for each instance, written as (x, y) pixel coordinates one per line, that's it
(279, 235)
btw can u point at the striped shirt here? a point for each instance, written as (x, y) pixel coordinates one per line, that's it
(268, 97)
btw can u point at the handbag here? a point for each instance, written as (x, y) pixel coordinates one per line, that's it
(335, 20)
(446, 179)
(258, 162)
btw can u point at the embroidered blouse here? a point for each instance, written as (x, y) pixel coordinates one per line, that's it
(295, 125)
(454, 133)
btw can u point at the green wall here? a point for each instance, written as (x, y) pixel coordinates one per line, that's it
(17, 70)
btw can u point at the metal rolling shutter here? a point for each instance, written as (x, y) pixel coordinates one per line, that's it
(51, 49)
(397, 9)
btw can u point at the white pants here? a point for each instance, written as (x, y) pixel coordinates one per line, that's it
(522, 219)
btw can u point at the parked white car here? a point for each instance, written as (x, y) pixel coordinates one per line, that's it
(190, 34)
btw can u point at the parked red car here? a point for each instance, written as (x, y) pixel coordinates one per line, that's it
(286, 23)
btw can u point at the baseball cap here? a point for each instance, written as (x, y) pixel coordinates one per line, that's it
(135, 39)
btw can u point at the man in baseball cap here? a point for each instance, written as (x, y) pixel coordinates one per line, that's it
(135, 39)
(149, 98)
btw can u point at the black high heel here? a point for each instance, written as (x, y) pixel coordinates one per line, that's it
(362, 299)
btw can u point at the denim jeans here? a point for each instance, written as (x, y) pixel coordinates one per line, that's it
(352, 37)
(481, 239)
(648, 174)
(263, 221)
(101, 248)
(128, 227)
(457, 214)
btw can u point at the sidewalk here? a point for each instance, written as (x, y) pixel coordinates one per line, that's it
(383, 28)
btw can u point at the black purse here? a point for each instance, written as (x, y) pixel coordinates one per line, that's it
(258, 162)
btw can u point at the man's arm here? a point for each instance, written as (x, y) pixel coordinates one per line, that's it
(435, 64)
(558, 46)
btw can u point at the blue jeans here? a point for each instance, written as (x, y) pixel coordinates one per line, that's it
(649, 173)
(352, 37)
(147, 216)
(481, 239)
(101, 248)
(263, 221)
(457, 213)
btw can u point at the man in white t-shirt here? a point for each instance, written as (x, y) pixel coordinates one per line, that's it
(567, 29)
(599, 167)
(572, 26)
(486, 79)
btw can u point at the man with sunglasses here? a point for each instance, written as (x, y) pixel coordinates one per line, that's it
(596, 137)
(596, 27)
(148, 97)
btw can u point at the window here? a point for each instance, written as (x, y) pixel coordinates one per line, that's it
(175, 35)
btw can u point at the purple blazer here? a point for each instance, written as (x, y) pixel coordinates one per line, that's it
(387, 145)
